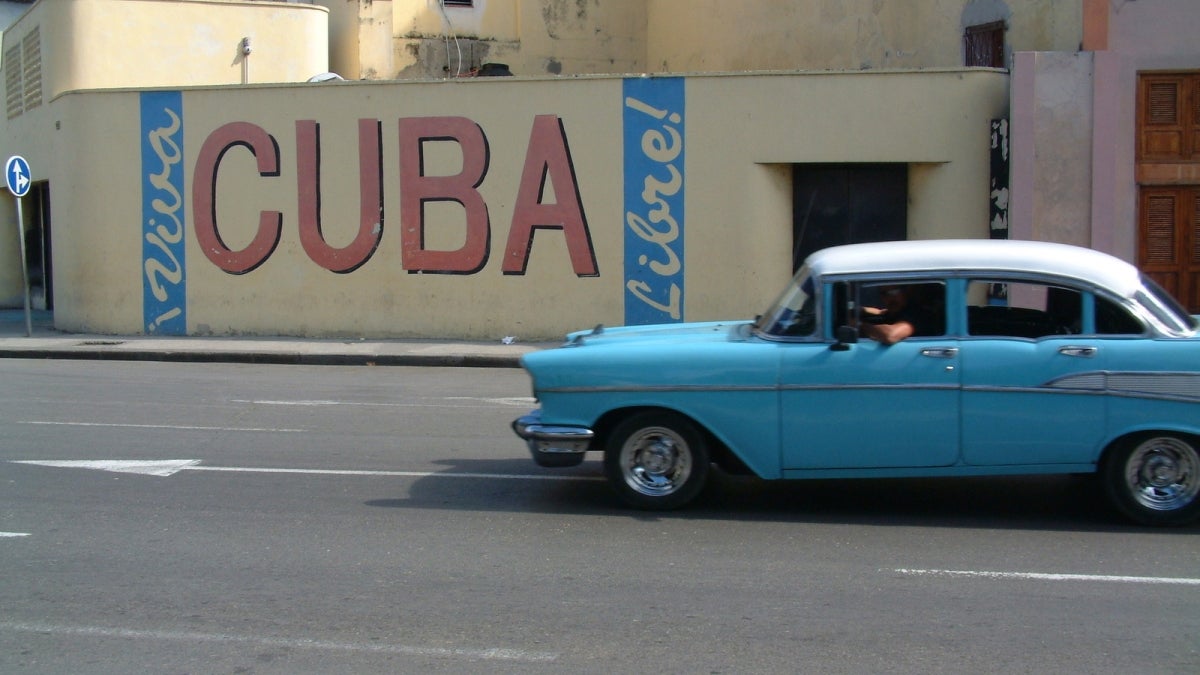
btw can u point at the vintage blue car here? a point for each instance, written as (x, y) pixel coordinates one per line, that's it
(913, 358)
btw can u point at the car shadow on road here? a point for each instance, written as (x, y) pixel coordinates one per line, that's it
(1054, 503)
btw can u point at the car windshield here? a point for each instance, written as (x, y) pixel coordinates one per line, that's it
(794, 313)
(1166, 308)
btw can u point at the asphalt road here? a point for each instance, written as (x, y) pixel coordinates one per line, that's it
(368, 519)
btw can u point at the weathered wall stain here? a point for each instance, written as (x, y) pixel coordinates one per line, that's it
(566, 16)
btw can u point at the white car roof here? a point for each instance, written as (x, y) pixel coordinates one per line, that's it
(981, 255)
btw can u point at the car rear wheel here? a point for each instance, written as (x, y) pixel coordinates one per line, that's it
(656, 460)
(1155, 479)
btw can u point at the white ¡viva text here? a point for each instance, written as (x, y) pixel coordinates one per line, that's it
(165, 235)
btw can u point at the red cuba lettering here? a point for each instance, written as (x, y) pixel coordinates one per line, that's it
(417, 189)
(548, 158)
(370, 181)
(204, 201)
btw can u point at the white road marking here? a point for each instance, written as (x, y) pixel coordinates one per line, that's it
(507, 400)
(169, 467)
(523, 401)
(143, 467)
(483, 654)
(298, 403)
(14, 534)
(1042, 576)
(407, 474)
(154, 426)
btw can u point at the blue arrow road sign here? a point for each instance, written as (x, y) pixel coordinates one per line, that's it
(16, 173)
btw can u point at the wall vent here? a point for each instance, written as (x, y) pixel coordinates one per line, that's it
(23, 75)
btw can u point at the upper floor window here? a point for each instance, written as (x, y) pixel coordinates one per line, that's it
(1168, 116)
(984, 45)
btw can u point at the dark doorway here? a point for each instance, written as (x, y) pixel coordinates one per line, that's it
(836, 204)
(37, 246)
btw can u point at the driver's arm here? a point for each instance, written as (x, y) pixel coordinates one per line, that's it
(886, 333)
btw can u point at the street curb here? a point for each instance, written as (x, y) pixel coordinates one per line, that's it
(265, 358)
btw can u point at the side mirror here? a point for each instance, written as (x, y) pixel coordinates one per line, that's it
(846, 336)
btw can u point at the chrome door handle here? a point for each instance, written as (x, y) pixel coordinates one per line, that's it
(940, 352)
(1086, 352)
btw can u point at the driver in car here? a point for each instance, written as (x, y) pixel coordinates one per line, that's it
(899, 318)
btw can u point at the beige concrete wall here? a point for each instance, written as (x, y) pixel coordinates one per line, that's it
(742, 133)
(771, 121)
(534, 37)
(721, 36)
(1052, 147)
(97, 44)
(360, 38)
(487, 19)
(562, 37)
(1043, 25)
(94, 44)
(11, 288)
(97, 237)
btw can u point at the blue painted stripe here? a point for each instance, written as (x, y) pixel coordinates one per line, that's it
(654, 115)
(164, 278)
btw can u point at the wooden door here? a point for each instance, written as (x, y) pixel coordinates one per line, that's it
(1169, 240)
(1168, 170)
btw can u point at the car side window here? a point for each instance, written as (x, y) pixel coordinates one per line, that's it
(1113, 319)
(921, 303)
(1022, 309)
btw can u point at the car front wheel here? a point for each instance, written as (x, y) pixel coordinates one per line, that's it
(656, 460)
(1155, 479)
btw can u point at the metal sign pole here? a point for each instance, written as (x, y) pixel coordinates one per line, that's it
(24, 268)
(18, 178)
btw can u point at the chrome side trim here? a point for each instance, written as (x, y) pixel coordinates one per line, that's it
(1094, 380)
(1035, 390)
(1185, 385)
(654, 388)
(1167, 386)
(915, 387)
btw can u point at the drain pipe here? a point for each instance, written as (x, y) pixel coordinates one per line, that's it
(246, 49)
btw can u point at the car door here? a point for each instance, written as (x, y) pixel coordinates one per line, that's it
(866, 405)
(1032, 377)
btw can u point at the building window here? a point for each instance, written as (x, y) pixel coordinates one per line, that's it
(984, 45)
(1169, 117)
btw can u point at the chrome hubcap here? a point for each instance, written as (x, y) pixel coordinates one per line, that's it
(655, 461)
(1163, 474)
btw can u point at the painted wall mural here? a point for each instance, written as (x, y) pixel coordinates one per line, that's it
(164, 282)
(999, 164)
(548, 197)
(654, 199)
(547, 160)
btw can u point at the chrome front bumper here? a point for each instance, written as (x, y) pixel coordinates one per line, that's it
(553, 445)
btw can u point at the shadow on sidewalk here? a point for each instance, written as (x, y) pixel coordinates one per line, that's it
(12, 322)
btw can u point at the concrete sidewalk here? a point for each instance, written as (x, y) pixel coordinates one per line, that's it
(45, 342)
